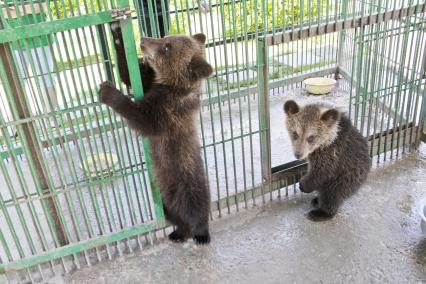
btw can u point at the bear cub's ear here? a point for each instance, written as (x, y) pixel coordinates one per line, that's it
(291, 107)
(200, 68)
(201, 38)
(330, 117)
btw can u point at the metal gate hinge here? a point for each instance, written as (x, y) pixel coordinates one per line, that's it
(121, 13)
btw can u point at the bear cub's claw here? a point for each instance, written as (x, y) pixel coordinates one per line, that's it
(319, 215)
(202, 239)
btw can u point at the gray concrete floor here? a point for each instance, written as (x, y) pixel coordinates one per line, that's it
(375, 238)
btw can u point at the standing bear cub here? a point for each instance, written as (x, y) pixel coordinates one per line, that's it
(172, 72)
(337, 154)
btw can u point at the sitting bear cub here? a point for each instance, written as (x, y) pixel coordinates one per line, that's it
(337, 154)
(172, 72)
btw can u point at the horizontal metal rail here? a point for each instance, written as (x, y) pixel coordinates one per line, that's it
(81, 246)
(341, 25)
(51, 27)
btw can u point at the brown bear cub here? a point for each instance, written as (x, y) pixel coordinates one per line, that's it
(337, 154)
(172, 71)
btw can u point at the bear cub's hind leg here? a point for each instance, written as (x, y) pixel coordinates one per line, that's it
(327, 204)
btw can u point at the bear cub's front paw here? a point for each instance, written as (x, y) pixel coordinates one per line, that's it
(107, 93)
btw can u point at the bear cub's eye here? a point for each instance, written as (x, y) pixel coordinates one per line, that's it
(311, 139)
(167, 47)
(295, 135)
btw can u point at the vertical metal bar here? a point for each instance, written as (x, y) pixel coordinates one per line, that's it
(389, 82)
(213, 125)
(342, 37)
(399, 104)
(233, 7)
(355, 56)
(264, 125)
(369, 86)
(231, 126)
(384, 30)
(131, 56)
(105, 52)
(420, 134)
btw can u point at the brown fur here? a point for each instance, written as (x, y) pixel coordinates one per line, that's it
(167, 116)
(337, 154)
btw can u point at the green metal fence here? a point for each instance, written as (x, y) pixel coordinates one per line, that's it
(75, 183)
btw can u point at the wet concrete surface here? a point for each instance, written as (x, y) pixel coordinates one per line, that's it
(375, 238)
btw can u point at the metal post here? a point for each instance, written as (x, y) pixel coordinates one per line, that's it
(264, 124)
(137, 88)
(29, 135)
(341, 39)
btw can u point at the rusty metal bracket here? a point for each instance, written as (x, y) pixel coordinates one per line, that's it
(121, 13)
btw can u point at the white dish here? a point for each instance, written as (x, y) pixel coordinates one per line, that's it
(99, 165)
(319, 85)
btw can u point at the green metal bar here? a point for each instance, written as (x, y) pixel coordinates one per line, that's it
(264, 125)
(213, 126)
(81, 246)
(342, 35)
(401, 46)
(44, 28)
(412, 89)
(228, 101)
(419, 108)
(233, 7)
(131, 56)
(366, 99)
(406, 114)
(372, 101)
(136, 153)
(381, 72)
(244, 5)
(128, 140)
(389, 81)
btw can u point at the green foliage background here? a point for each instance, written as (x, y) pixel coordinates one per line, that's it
(247, 15)
(63, 8)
